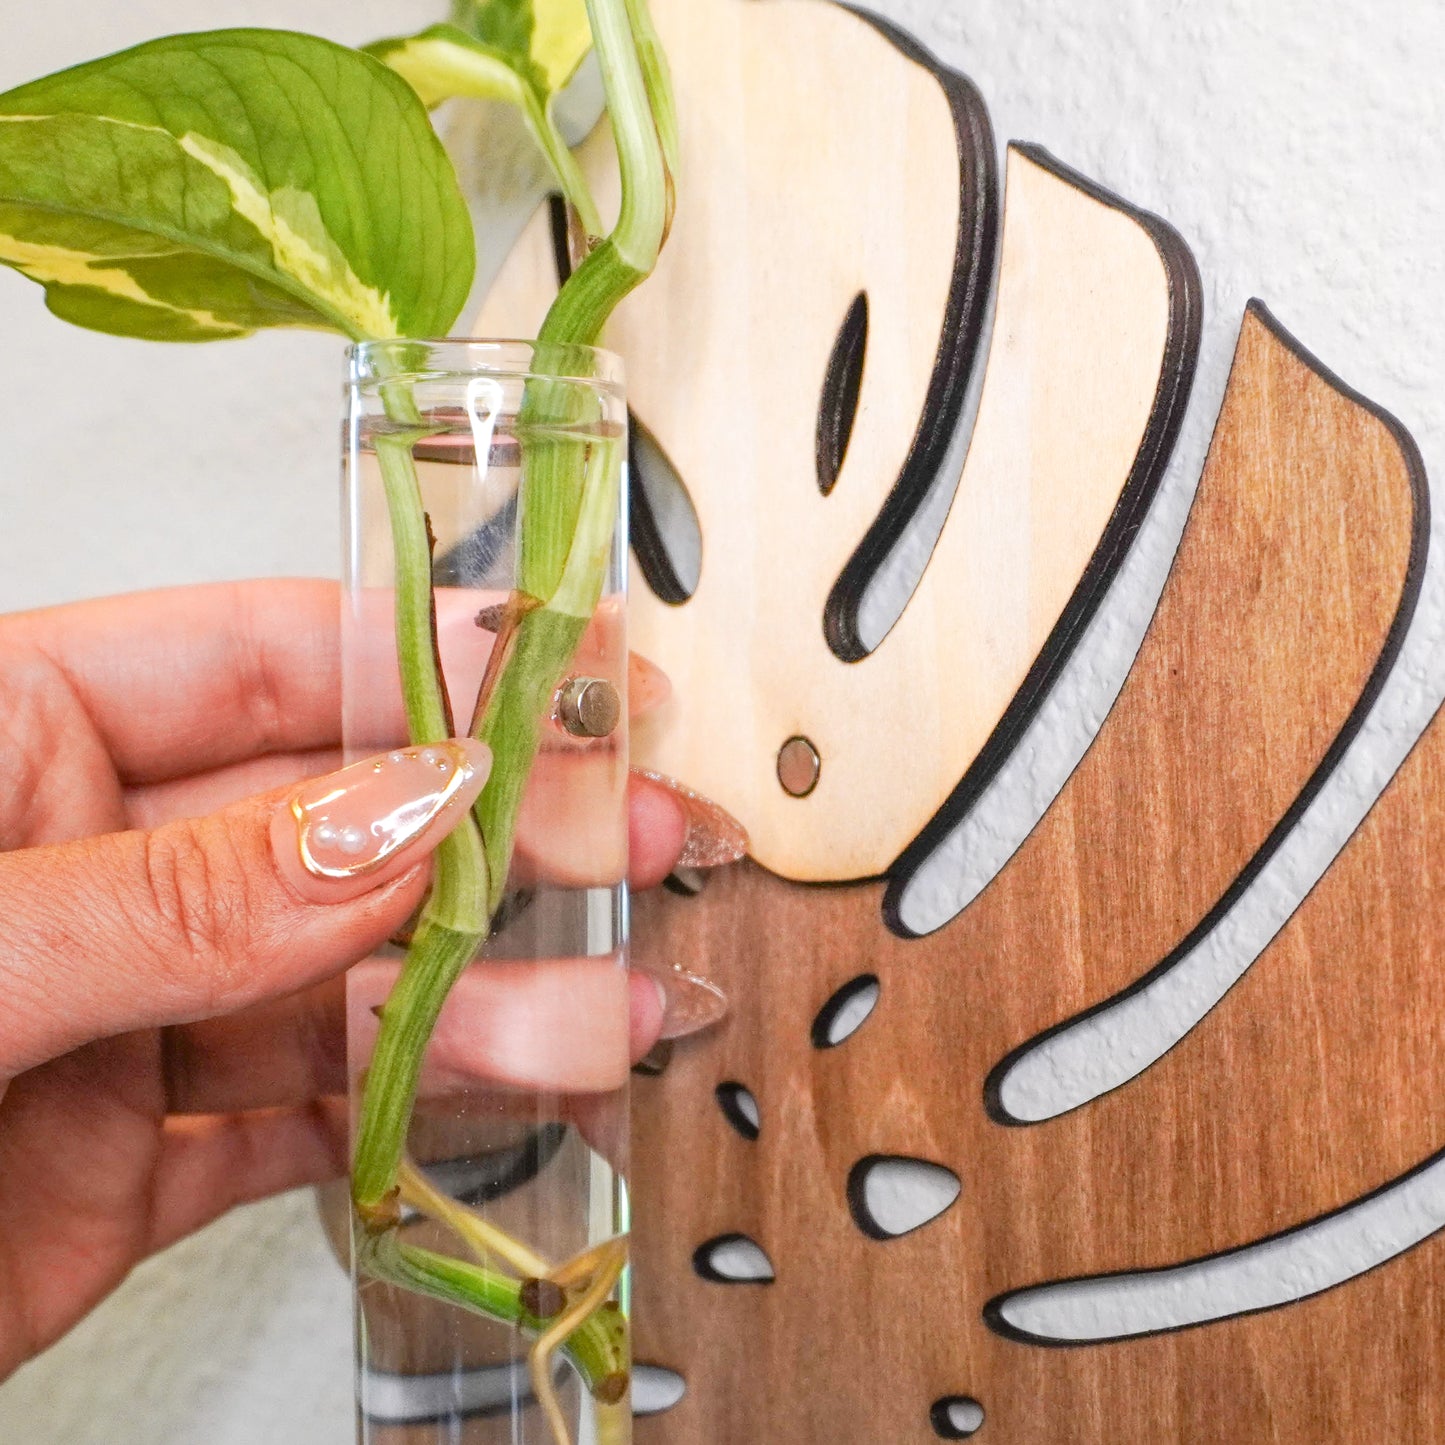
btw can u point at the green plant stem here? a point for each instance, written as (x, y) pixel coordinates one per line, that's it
(435, 960)
(547, 636)
(568, 174)
(630, 253)
(512, 727)
(469, 875)
(597, 1347)
(567, 504)
(427, 714)
(568, 492)
(551, 499)
(456, 914)
(657, 81)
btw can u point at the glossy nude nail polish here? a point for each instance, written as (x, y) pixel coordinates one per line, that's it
(352, 823)
(690, 1003)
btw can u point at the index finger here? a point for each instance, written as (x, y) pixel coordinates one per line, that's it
(186, 679)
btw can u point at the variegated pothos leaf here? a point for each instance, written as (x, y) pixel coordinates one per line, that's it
(207, 185)
(443, 60)
(547, 37)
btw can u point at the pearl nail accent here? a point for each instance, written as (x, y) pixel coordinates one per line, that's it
(351, 822)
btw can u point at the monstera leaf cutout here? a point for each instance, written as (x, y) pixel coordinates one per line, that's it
(783, 372)
(1283, 616)
(1274, 1130)
(204, 186)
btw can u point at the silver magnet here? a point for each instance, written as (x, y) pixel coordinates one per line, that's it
(589, 707)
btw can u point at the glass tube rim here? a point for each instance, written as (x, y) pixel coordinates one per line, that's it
(371, 363)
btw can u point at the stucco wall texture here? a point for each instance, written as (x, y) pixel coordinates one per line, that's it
(1296, 147)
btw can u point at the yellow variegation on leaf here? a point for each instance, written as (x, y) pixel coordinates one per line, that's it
(520, 52)
(205, 186)
(553, 36)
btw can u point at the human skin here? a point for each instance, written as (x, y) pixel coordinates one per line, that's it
(172, 1036)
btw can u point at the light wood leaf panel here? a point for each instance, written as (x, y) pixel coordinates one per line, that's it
(1294, 576)
(1096, 329)
(1083, 343)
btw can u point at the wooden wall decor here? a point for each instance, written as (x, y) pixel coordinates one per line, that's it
(1028, 523)
(1247, 708)
(1097, 328)
(859, 1215)
(1294, 579)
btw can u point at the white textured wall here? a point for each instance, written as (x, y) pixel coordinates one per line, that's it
(1296, 146)
(126, 465)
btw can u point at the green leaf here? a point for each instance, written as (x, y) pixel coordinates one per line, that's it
(208, 185)
(505, 25)
(444, 61)
(552, 36)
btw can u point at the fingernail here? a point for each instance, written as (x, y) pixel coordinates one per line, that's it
(648, 686)
(714, 836)
(353, 824)
(690, 1003)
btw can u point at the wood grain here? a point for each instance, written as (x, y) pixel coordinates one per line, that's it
(727, 349)
(1295, 571)
(1082, 339)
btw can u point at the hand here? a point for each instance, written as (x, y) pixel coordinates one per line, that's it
(172, 1032)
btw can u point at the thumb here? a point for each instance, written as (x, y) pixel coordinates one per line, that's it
(203, 917)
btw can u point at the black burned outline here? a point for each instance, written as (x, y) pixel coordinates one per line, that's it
(993, 1310)
(702, 1263)
(1156, 446)
(962, 326)
(729, 1095)
(842, 382)
(968, 297)
(655, 1062)
(857, 1192)
(648, 545)
(837, 1001)
(557, 230)
(1354, 720)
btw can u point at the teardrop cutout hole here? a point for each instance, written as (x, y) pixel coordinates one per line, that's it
(740, 1109)
(956, 1417)
(733, 1259)
(891, 1195)
(842, 381)
(846, 1012)
(656, 1389)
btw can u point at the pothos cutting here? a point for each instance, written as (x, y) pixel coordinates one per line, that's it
(205, 186)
